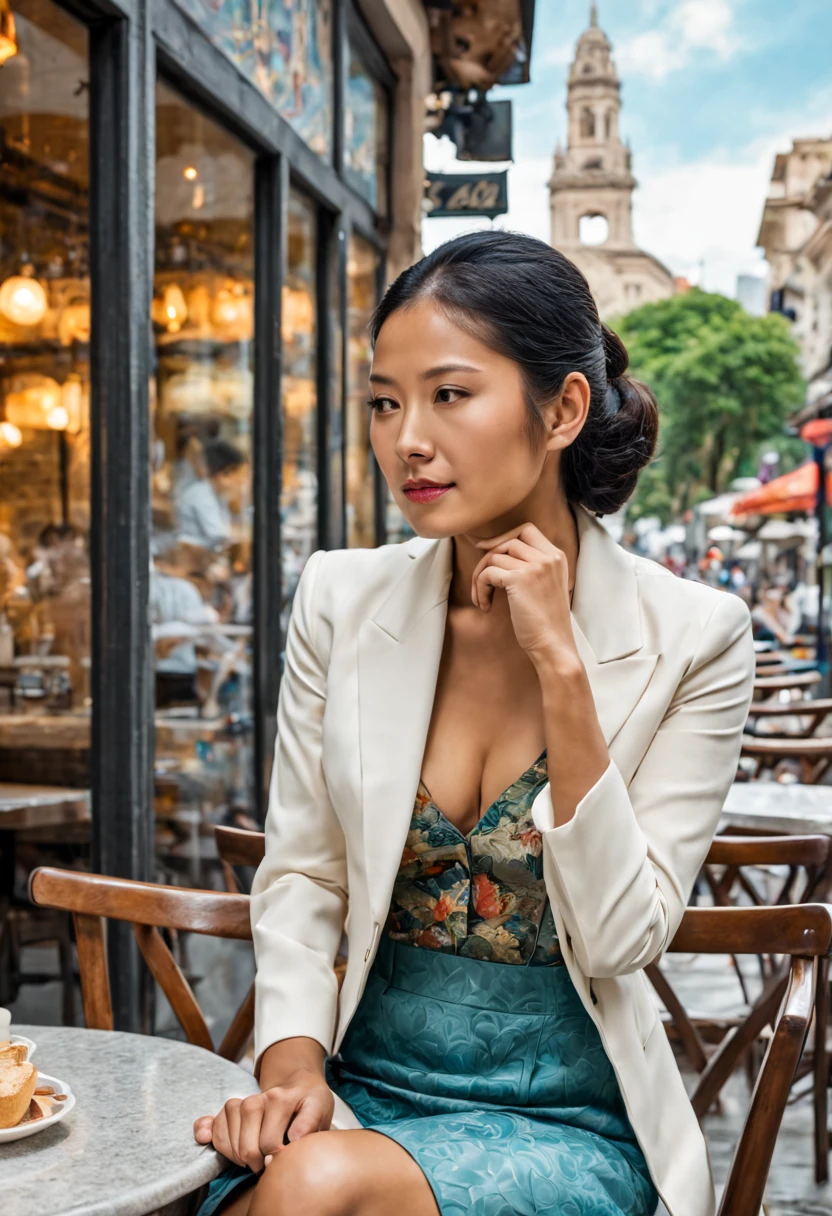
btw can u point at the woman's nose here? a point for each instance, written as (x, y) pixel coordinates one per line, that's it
(412, 440)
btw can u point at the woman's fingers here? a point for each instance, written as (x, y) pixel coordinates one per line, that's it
(279, 1107)
(222, 1133)
(308, 1118)
(527, 532)
(203, 1129)
(251, 1122)
(493, 575)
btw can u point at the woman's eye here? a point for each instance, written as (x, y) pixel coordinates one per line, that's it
(378, 404)
(447, 396)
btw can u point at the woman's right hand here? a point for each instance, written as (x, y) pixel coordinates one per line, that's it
(248, 1131)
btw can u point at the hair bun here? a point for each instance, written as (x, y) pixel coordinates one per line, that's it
(615, 353)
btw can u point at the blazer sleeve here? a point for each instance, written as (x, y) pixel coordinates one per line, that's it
(299, 894)
(622, 869)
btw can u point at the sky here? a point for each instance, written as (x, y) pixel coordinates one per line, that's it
(711, 90)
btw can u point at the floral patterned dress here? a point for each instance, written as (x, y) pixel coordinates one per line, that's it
(479, 895)
(492, 1077)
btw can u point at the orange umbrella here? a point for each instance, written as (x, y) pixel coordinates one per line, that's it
(795, 491)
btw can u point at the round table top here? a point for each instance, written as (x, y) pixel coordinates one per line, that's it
(772, 806)
(127, 1148)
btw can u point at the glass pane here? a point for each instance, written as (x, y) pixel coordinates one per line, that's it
(285, 48)
(362, 295)
(365, 135)
(299, 497)
(336, 400)
(201, 486)
(44, 400)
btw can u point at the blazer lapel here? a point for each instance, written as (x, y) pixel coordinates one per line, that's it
(606, 625)
(399, 649)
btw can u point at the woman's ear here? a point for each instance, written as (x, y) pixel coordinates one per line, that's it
(566, 415)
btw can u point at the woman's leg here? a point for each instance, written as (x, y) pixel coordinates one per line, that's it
(342, 1173)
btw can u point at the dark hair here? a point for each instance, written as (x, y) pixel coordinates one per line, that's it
(221, 456)
(530, 303)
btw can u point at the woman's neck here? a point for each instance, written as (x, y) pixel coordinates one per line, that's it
(559, 527)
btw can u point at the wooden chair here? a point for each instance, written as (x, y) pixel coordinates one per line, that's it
(807, 863)
(766, 685)
(238, 847)
(813, 755)
(802, 933)
(92, 899)
(811, 713)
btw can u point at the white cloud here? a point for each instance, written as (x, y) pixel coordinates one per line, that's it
(690, 27)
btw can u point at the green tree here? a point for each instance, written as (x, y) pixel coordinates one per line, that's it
(725, 382)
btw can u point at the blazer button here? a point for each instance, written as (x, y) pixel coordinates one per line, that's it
(366, 954)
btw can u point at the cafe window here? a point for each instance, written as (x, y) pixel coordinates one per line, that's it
(44, 398)
(363, 263)
(201, 403)
(286, 50)
(366, 134)
(299, 494)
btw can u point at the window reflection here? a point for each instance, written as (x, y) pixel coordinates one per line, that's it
(44, 399)
(365, 135)
(201, 480)
(362, 294)
(286, 49)
(299, 496)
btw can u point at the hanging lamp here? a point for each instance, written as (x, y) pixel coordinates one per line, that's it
(8, 34)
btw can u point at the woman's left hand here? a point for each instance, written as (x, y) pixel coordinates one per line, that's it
(534, 574)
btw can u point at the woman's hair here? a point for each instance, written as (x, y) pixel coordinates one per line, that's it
(528, 302)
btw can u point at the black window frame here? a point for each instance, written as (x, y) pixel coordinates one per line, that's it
(132, 43)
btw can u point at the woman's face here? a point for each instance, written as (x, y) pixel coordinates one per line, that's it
(450, 411)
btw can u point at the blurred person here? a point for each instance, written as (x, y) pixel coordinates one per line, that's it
(494, 1046)
(207, 505)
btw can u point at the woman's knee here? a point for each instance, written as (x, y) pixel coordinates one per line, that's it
(315, 1176)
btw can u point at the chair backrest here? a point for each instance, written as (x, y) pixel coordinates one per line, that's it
(802, 933)
(93, 899)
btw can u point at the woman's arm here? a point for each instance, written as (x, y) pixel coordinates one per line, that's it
(299, 894)
(620, 862)
(622, 867)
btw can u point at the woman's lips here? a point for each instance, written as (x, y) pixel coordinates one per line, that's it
(425, 493)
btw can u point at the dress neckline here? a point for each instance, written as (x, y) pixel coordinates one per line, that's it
(467, 835)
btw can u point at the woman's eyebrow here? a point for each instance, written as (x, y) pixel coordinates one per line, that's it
(432, 372)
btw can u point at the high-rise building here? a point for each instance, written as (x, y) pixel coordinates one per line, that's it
(591, 188)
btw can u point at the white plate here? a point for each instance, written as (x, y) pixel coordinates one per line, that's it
(59, 1109)
(21, 1038)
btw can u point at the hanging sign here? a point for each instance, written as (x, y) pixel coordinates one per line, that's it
(461, 194)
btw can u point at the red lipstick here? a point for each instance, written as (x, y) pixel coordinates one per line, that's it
(422, 489)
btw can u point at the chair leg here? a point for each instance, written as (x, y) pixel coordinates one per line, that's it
(67, 973)
(821, 1074)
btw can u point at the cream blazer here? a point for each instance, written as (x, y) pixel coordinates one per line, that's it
(671, 665)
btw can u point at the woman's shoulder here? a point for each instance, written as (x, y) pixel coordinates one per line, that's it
(358, 579)
(676, 602)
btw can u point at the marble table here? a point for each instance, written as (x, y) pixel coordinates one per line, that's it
(794, 809)
(127, 1149)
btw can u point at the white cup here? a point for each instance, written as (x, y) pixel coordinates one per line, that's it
(5, 1023)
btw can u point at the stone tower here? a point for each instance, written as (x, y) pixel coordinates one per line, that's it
(592, 180)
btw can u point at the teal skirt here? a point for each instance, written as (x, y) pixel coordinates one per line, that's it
(494, 1079)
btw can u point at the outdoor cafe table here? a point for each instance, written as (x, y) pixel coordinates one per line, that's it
(771, 806)
(127, 1148)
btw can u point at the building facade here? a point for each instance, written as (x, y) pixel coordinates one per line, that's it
(796, 235)
(200, 203)
(592, 184)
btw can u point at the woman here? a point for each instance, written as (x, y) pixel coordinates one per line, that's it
(494, 1048)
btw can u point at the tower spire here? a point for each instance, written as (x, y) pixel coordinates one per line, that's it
(593, 15)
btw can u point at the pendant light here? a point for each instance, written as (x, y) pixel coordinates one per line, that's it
(23, 300)
(8, 34)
